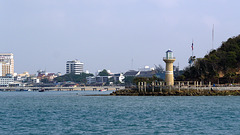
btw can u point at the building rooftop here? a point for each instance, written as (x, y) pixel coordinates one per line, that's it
(131, 73)
(147, 73)
(168, 51)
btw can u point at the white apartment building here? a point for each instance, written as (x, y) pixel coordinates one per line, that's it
(7, 64)
(74, 66)
(6, 80)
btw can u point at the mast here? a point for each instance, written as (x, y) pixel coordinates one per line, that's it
(213, 37)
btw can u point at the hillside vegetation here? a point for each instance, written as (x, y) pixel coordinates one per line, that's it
(221, 64)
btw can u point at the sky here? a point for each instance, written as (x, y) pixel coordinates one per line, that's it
(118, 35)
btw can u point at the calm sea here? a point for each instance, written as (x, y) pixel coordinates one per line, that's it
(72, 113)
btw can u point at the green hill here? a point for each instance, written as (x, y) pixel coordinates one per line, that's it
(221, 64)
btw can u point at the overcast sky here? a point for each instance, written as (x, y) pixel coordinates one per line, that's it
(110, 34)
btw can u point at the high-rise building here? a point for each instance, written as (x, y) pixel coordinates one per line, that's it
(74, 66)
(7, 64)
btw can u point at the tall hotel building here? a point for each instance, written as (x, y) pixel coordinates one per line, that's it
(6, 64)
(74, 66)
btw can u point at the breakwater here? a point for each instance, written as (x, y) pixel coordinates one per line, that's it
(192, 92)
(180, 88)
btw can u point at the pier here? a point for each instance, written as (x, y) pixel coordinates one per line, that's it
(183, 85)
(182, 88)
(83, 88)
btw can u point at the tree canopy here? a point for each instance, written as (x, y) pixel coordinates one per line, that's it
(222, 62)
(103, 73)
(73, 78)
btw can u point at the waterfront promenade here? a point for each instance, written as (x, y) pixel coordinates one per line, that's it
(83, 88)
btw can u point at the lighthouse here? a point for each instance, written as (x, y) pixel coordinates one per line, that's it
(169, 59)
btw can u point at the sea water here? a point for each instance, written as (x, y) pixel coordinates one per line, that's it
(73, 113)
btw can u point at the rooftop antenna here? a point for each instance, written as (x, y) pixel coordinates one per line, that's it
(213, 37)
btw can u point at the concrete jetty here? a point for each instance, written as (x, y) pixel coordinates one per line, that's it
(83, 88)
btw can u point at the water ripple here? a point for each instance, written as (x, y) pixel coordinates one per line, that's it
(67, 113)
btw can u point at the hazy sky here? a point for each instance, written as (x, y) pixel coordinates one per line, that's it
(44, 34)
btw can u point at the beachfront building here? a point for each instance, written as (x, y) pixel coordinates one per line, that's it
(6, 80)
(6, 64)
(118, 78)
(45, 75)
(91, 80)
(111, 78)
(169, 59)
(103, 79)
(21, 77)
(74, 66)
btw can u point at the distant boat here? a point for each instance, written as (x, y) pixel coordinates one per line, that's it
(41, 90)
(103, 90)
(22, 89)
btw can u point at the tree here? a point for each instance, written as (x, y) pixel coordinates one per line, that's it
(103, 73)
(159, 68)
(128, 80)
(73, 78)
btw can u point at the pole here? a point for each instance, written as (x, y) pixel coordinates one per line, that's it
(212, 37)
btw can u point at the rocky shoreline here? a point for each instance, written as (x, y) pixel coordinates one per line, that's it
(129, 92)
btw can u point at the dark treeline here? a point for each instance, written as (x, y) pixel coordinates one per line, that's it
(222, 64)
(73, 78)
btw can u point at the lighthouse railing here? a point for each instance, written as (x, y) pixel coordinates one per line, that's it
(166, 58)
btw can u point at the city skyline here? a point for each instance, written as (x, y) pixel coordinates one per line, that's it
(116, 35)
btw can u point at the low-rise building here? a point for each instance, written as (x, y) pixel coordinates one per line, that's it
(103, 79)
(91, 80)
(131, 73)
(148, 74)
(113, 78)
(21, 77)
(45, 75)
(118, 78)
(6, 80)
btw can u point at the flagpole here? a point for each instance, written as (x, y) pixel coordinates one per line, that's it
(192, 47)
(191, 59)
